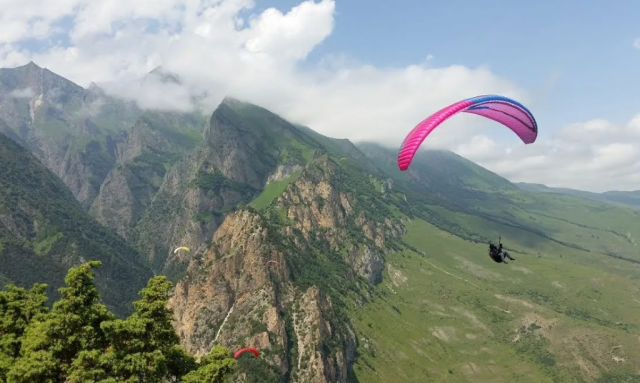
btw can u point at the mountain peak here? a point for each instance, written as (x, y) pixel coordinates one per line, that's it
(32, 65)
(29, 68)
(232, 102)
(39, 79)
(95, 90)
(164, 75)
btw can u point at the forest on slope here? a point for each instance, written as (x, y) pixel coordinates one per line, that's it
(44, 230)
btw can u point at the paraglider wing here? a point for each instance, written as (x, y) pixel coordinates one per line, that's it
(182, 248)
(504, 110)
(252, 350)
(343, 159)
(272, 261)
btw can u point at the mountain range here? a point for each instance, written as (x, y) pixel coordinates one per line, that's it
(620, 198)
(378, 275)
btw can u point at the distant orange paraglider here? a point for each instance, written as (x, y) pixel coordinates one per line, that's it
(252, 350)
(272, 261)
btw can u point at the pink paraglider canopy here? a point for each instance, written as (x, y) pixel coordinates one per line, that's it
(506, 111)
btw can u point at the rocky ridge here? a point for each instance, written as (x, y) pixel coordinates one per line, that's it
(232, 296)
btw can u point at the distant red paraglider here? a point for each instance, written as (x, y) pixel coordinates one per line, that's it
(272, 261)
(252, 350)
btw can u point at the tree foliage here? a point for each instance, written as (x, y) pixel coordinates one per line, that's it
(80, 340)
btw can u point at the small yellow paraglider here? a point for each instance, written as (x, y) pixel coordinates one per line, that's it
(182, 248)
(343, 159)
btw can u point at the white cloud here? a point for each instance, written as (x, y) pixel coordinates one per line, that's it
(595, 155)
(22, 93)
(32, 18)
(217, 52)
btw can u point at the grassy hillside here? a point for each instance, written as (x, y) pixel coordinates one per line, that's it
(620, 198)
(453, 315)
(488, 206)
(44, 230)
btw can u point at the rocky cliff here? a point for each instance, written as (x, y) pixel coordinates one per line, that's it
(143, 158)
(229, 167)
(328, 250)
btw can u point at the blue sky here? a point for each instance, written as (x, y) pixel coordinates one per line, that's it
(576, 57)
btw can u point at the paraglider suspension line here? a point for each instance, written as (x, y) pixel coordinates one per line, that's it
(507, 114)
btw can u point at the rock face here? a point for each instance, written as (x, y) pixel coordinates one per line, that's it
(231, 166)
(317, 200)
(283, 172)
(236, 150)
(62, 124)
(132, 183)
(232, 296)
(113, 156)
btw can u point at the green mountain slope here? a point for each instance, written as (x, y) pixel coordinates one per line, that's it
(620, 198)
(563, 281)
(44, 231)
(452, 315)
(482, 196)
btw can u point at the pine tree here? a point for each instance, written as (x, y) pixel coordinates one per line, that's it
(145, 345)
(18, 307)
(53, 340)
(215, 367)
(80, 341)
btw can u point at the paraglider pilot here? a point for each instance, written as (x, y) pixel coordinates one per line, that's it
(498, 254)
